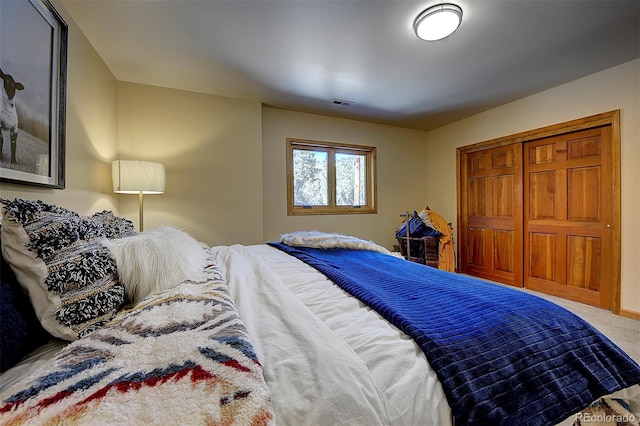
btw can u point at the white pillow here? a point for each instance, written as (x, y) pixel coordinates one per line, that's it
(155, 260)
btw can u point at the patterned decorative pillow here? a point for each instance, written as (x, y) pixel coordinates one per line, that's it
(58, 259)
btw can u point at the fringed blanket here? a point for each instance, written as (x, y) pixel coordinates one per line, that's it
(502, 356)
(182, 356)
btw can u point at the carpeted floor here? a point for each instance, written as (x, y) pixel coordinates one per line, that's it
(624, 332)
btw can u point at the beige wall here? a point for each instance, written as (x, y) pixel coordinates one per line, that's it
(212, 151)
(401, 173)
(616, 88)
(91, 127)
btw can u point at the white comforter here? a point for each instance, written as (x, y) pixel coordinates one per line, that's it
(328, 359)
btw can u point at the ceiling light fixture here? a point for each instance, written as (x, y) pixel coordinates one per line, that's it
(438, 22)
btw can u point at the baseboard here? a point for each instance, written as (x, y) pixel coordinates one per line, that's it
(630, 314)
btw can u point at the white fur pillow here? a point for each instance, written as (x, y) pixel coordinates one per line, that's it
(155, 260)
(324, 240)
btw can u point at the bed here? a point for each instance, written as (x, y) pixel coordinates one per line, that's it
(261, 335)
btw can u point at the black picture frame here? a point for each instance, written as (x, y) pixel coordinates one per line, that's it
(33, 66)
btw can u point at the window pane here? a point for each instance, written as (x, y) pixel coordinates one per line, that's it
(351, 180)
(330, 178)
(310, 177)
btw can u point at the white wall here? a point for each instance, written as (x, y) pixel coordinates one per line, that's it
(615, 88)
(401, 160)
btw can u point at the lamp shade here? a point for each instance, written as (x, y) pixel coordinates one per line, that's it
(135, 177)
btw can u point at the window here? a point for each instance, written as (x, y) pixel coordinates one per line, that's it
(330, 178)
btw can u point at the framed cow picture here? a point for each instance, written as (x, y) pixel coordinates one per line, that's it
(33, 67)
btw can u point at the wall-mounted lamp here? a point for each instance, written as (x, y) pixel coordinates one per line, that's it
(138, 177)
(438, 22)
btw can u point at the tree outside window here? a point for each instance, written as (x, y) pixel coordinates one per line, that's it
(330, 178)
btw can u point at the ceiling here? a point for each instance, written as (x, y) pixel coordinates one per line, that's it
(302, 55)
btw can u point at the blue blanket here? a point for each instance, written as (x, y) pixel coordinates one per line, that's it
(503, 356)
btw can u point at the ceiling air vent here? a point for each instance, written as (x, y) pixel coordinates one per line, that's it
(341, 102)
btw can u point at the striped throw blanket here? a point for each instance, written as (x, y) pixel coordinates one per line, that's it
(503, 356)
(181, 356)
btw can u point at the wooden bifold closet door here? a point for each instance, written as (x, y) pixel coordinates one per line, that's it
(541, 210)
(568, 215)
(491, 228)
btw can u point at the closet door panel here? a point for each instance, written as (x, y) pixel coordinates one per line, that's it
(542, 256)
(582, 183)
(584, 257)
(568, 216)
(542, 191)
(503, 251)
(502, 194)
(491, 230)
(476, 197)
(477, 248)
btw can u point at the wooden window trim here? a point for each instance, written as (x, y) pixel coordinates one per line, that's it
(332, 147)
